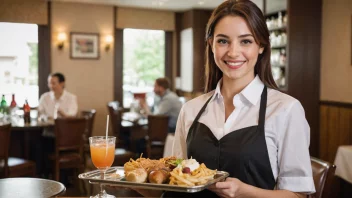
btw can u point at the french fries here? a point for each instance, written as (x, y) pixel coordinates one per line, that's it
(199, 176)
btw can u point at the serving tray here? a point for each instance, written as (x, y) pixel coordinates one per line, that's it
(114, 176)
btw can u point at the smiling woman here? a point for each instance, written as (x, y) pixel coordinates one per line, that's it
(228, 129)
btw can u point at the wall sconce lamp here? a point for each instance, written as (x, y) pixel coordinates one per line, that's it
(108, 42)
(61, 37)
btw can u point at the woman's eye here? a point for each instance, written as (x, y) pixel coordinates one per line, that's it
(222, 41)
(246, 42)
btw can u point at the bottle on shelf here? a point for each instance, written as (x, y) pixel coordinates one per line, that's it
(13, 106)
(284, 20)
(13, 101)
(279, 20)
(282, 59)
(27, 112)
(3, 105)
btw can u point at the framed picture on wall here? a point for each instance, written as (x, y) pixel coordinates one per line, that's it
(84, 45)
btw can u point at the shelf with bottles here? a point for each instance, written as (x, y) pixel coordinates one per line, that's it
(278, 39)
(278, 61)
(279, 76)
(282, 28)
(277, 25)
(278, 57)
(9, 111)
(277, 20)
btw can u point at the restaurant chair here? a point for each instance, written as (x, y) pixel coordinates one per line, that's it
(68, 152)
(157, 133)
(11, 166)
(323, 176)
(90, 117)
(122, 155)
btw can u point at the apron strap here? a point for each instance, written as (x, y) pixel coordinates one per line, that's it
(200, 113)
(262, 109)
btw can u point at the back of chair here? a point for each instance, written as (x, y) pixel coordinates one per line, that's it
(5, 131)
(323, 175)
(115, 117)
(89, 115)
(157, 127)
(69, 133)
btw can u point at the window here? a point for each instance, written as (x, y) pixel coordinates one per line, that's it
(143, 62)
(19, 62)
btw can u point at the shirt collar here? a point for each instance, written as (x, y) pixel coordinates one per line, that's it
(252, 92)
(217, 93)
(52, 95)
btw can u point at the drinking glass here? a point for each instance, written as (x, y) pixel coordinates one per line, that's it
(102, 151)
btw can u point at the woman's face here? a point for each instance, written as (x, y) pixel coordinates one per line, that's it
(234, 48)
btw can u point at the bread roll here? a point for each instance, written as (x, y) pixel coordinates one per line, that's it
(158, 176)
(138, 175)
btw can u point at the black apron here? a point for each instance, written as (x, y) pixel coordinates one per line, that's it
(243, 153)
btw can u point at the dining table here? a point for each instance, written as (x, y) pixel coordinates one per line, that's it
(24, 187)
(23, 135)
(343, 162)
(133, 119)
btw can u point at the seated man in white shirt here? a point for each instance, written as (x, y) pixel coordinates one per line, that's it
(57, 103)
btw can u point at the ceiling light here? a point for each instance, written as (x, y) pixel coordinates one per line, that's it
(200, 2)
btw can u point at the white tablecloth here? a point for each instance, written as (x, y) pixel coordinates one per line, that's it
(168, 145)
(343, 162)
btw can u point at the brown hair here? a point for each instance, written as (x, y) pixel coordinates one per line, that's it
(256, 22)
(163, 82)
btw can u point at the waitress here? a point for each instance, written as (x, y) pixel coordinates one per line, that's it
(243, 124)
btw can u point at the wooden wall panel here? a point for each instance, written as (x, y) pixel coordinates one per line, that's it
(24, 11)
(335, 128)
(323, 132)
(145, 19)
(304, 40)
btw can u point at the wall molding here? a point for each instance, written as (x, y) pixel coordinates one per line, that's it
(337, 104)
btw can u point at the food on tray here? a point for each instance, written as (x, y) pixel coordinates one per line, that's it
(170, 170)
(159, 176)
(190, 176)
(146, 163)
(137, 175)
(114, 176)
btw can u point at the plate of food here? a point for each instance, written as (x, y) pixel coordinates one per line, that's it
(168, 174)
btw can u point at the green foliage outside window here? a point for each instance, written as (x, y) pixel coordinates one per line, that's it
(146, 59)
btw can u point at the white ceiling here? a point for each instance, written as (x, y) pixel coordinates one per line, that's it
(179, 5)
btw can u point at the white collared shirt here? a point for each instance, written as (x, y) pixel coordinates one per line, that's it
(287, 132)
(48, 104)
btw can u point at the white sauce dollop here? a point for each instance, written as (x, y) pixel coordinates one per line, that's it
(192, 164)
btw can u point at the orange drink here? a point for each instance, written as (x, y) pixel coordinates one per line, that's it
(102, 155)
(102, 152)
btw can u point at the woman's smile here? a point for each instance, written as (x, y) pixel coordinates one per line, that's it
(234, 64)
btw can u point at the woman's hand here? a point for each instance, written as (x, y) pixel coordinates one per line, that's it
(231, 187)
